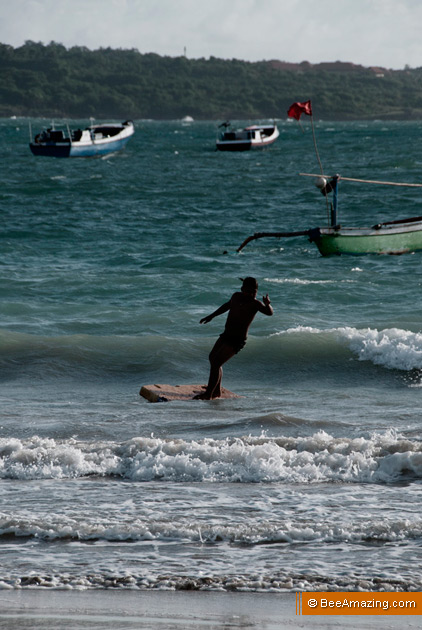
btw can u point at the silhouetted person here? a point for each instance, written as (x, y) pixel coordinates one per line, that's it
(242, 307)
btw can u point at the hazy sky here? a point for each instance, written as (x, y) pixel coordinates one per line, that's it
(369, 32)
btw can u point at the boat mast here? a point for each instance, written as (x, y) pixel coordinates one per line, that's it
(334, 183)
(332, 186)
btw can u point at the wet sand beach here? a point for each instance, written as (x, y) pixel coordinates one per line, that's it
(118, 610)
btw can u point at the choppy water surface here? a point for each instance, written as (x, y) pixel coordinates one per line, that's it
(310, 480)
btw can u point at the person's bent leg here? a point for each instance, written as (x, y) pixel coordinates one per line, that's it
(220, 353)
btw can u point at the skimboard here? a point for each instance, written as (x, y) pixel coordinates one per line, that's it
(165, 393)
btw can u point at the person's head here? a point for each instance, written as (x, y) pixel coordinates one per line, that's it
(249, 286)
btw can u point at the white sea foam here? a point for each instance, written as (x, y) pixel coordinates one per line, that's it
(318, 458)
(392, 348)
(305, 281)
(184, 528)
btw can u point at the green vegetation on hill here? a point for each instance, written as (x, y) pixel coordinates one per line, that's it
(50, 80)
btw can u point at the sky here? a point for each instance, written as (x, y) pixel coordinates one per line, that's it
(384, 33)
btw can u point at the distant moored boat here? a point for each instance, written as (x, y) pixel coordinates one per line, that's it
(95, 140)
(252, 137)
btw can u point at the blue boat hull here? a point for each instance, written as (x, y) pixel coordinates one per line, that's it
(98, 149)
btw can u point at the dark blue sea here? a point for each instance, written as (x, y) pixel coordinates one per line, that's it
(311, 480)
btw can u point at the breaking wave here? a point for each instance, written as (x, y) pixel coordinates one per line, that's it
(23, 354)
(319, 458)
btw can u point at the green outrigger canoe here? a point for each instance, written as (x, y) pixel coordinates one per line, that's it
(397, 237)
(392, 237)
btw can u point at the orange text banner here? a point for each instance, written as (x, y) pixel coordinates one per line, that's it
(334, 603)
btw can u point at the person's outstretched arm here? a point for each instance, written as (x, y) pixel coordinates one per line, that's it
(223, 309)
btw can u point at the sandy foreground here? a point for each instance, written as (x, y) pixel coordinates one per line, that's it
(168, 610)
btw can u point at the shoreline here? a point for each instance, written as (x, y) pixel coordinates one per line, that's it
(166, 610)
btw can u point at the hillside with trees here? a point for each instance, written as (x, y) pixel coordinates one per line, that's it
(51, 80)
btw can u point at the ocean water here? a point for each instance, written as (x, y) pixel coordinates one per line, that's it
(311, 480)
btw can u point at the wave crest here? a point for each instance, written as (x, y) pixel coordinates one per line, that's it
(392, 348)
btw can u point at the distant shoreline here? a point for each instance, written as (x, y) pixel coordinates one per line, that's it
(53, 81)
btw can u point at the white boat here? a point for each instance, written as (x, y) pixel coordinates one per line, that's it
(95, 140)
(252, 137)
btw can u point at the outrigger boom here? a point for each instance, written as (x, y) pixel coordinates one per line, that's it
(275, 234)
(362, 181)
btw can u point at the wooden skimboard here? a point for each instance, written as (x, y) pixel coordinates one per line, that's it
(165, 393)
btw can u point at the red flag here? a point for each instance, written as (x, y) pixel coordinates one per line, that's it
(297, 109)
